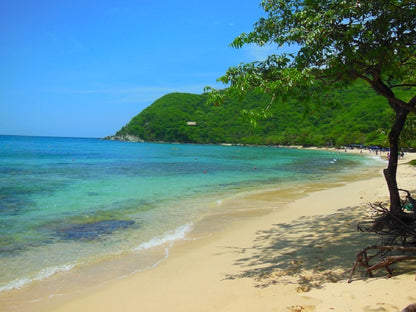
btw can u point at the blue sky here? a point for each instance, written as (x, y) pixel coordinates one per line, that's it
(84, 68)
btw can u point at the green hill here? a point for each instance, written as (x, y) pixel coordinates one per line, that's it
(356, 115)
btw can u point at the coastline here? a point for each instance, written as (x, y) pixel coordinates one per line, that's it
(284, 258)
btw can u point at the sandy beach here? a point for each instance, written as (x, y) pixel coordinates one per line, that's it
(285, 256)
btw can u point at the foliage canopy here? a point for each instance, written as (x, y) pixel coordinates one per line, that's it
(339, 41)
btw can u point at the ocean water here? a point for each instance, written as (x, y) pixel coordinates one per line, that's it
(68, 202)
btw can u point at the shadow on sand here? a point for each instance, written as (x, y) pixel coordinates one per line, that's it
(308, 252)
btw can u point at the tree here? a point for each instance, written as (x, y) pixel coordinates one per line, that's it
(339, 41)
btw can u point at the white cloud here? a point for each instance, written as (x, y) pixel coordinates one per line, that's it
(141, 94)
(256, 53)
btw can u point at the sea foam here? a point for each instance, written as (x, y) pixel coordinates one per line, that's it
(43, 274)
(170, 236)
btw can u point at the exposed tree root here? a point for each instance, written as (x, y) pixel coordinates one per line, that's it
(363, 258)
(398, 237)
(394, 228)
(410, 308)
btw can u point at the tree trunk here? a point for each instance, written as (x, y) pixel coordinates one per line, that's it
(390, 172)
(394, 136)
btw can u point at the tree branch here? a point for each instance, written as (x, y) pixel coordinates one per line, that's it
(410, 106)
(404, 85)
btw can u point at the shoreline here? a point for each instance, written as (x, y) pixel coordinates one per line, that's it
(226, 271)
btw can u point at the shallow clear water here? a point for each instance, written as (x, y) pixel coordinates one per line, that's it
(69, 201)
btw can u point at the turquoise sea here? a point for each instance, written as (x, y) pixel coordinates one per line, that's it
(70, 202)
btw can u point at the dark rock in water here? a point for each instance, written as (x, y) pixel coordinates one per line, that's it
(94, 230)
(14, 205)
(93, 194)
(124, 138)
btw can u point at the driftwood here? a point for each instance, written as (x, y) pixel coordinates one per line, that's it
(363, 258)
(398, 237)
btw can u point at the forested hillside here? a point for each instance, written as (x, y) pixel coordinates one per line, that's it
(354, 115)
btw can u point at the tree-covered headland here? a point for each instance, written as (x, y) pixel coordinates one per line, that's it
(354, 115)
